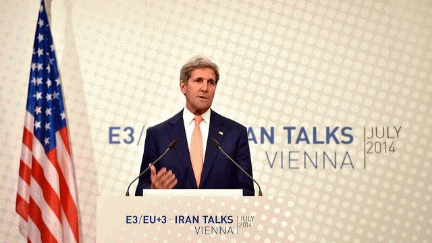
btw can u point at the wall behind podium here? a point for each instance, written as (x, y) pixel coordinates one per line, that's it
(296, 73)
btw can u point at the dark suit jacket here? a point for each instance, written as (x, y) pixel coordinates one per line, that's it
(218, 172)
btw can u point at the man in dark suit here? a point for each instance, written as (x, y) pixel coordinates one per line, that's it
(195, 161)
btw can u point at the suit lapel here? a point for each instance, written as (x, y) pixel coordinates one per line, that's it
(178, 133)
(217, 131)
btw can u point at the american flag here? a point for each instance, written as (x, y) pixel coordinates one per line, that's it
(47, 197)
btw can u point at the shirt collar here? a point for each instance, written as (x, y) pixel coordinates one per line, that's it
(188, 116)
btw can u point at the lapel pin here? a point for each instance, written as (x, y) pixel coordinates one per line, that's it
(220, 133)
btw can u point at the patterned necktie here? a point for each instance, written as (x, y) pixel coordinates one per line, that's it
(196, 150)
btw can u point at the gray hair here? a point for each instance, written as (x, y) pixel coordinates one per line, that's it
(194, 63)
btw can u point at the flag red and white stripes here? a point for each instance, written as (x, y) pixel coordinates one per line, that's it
(46, 198)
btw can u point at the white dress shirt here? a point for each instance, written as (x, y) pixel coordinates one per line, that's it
(189, 124)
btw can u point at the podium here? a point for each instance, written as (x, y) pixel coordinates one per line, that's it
(185, 217)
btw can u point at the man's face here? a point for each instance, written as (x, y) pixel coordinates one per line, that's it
(199, 90)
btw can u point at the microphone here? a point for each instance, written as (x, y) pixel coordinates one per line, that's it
(229, 157)
(172, 144)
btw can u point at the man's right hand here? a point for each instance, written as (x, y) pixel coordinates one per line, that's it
(163, 179)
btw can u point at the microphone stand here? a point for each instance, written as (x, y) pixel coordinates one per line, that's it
(172, 144)
(229, 157)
